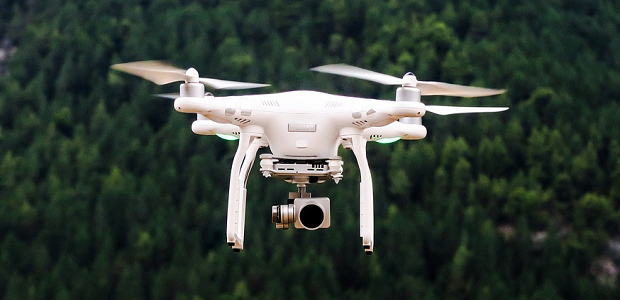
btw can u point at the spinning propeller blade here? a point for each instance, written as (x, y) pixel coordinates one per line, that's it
(154, 71)
(219, 84)
(433, 88)
(355, 72)
(161, 73)
(168, 96)
(427, 88)
(449, 110)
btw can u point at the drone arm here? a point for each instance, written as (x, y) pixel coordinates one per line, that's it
(197, 105)
(394, 130)
(407, 109)
(379, 113)
(209, 127)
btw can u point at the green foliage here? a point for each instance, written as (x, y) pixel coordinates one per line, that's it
(106, 193)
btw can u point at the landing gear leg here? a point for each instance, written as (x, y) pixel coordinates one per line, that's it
(242, 163)
(367, 222)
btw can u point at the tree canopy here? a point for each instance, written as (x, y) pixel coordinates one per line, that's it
(106, 193)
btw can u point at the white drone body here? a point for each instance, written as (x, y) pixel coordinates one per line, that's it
(303, 130)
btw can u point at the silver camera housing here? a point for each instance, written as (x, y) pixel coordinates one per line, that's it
(305, 213)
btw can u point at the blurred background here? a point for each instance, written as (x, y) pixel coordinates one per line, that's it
(105, 193)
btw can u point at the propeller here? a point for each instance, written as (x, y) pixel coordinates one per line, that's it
(169, 95)
(449, 110)
(427, 88)
(161, 73)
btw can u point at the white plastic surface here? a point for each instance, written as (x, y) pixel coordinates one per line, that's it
(242, 162)
(396, 129)
(300, 123)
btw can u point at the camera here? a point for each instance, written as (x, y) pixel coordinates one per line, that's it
(305, 213)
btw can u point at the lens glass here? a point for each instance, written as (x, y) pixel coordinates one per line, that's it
(311, 216)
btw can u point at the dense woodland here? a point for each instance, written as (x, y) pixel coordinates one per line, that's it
(105, 193)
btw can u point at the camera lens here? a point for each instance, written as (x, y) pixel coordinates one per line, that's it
(311, 216)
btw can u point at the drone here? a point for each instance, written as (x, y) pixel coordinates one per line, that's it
(303, 131)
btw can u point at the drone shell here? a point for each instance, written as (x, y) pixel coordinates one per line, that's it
(301, 123)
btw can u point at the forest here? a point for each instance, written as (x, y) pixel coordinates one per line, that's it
(105, 192)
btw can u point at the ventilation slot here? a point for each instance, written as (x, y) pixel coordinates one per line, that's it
(273, 103)
(333, 103)
(360, 123)
(242, 121)
(375, 136)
